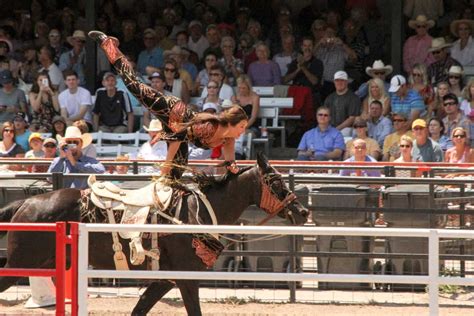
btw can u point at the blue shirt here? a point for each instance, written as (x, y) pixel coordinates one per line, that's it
(365, 173)
(22, 140)
(152, 58)
(78, 67)
(412, 101)
(380, 129)
(322, 142)
(84, 164)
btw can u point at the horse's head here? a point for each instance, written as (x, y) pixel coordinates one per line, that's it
(276, 197)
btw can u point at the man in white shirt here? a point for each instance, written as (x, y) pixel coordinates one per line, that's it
(46, 57)
(197, 42)
(75, 102)
(154, 149)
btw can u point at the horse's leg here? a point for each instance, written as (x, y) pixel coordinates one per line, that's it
(151, 296)
(190, 293)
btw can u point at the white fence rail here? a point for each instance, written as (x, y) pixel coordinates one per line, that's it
(433, 280)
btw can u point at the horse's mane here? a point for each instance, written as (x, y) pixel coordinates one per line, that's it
(206, 181)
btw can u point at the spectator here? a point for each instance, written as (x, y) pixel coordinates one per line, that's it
(44, 103)
(405, 100)
(360, 155)
(55, 42)
(197, 41)
(378, 125)
(121, 169)
(455, 81)
(21, 132)
(129, 43)
(461, 152)
(196, 153)
(112, 110)
(376, 93)
(323, 142)
(318, 30)
(391, 149)
(213, 36)
(287, 54)
(463, 48)
(177, 54)
(212, 96)
(436, 132)
(264, 71)
(233, 67)
(418, 80)
(49, 151)
(75, 102)
(210, 107)
(467, 104)
(438, 70)
(59, 126)
(356, 40)
(432, 8)
(454, 116)
(12, 99)
(415, 49)
(343, 103)
(306, 71)
(152, 55)
(28, 68)
(164, 42)
(173, 83)
(210, 60)
(436, 108)
(406, 145)
(8, 146)
(46, 59)
(254, 29)
(249, 101)
(157, 82)
(217, 74)
(372, 147)
(424, 148)
(71, 159)
(90, 150)
(75, 59)
(154, 149)
(36, 144)
(378, 71)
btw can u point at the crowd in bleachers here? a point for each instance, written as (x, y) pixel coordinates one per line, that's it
(330, 56)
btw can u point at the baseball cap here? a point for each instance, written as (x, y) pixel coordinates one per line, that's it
(210, 105)
(149, 31)
(396, 82)
(35, 136)
(50, 141)
(193, 23)
(226, 104)
(107, 75)
(156, 74)
(341, 75)
(21, 115)
(418, 122)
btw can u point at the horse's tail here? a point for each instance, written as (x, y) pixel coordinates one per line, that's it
(7, 212)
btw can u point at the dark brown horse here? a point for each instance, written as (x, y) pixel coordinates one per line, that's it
(229, 197)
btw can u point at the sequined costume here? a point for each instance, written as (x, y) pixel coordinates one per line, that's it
(170, 110)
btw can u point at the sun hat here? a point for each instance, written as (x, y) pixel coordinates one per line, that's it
(438, 43)
(341, 75)
(421, 20)
(73, 132)
(210, 105)
(455, 25)
(155, 126)
(176, 50)
(378, 65)
(396, 82)
(455, 70)
(418, 122)
(35, 136)
(77, 34)
(50, 141)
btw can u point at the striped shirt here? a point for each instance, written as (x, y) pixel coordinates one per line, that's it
(411, 102)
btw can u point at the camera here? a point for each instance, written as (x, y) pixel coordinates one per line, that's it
(68, 146)
(45, 82)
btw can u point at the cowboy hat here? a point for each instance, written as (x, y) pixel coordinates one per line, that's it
(378, 65)
(455, 25)
(176, 50)
(456, 70)
(77, 34)
(438, 43)
(72, 132)
(155, 126)
(421, 20)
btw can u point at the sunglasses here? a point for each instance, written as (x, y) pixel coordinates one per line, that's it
(148, 38)
(49, 145)
(9, 130)
(379, 73)
(417, 75)
(459, 136)
(421, 26)
(214, 74)
(454, 77)
(399, 120)
(464, 29)
(170, 69)
(73, 142)
(212, 87)
(360, 147)
(405, 146)
(449, 103)
(418, 128)
(436, 52)
(323, 114)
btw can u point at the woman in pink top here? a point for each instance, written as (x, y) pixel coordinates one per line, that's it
(415, 49)
(461, 151)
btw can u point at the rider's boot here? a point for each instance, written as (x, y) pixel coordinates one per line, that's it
(108, 44)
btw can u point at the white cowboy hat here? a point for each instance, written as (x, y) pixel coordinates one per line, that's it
(379, 65)
(421, 20)
(455, 25)
(155, 126)
(438, 43)
(77, 34)
(72, 132)
(456, 70)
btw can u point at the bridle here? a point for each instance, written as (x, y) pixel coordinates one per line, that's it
(269, 200)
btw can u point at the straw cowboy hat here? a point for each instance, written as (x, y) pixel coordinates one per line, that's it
(438, 43)
(455, 25)
(377, 66)
(155, 126)
(176, 50)
(421, 20)
(456, 70)
(72, 133)
(77, 34)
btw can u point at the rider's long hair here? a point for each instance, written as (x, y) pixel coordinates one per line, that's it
(231, 116)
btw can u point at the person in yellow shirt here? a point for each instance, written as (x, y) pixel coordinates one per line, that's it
(391, 149)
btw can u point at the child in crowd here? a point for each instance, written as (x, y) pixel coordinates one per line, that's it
(36, 144)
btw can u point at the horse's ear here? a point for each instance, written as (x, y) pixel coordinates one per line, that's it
(262, 161)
